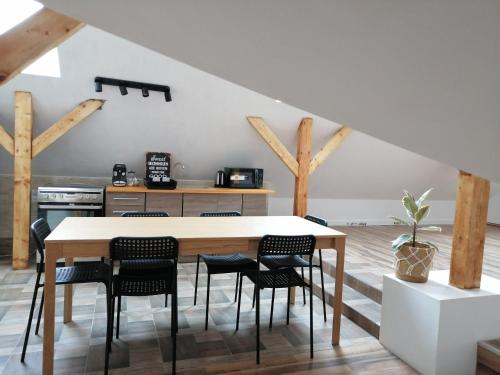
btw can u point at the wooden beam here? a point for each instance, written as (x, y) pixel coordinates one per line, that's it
(272, 140)
(22, 180)
(328, 148)
(469, 231)
(6, 141)
(66, 123)
(31, 39)
(304, 142)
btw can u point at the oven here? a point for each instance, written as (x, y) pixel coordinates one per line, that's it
(54, 203)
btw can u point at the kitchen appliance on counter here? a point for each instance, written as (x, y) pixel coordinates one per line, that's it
(249, 178)
(54, 203)
(119, 175)
(220, 179)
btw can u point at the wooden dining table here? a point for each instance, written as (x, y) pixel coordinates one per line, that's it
(90, 236)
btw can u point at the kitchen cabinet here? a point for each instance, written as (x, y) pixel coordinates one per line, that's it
(119, 203)
(170, 203)
(186, 201)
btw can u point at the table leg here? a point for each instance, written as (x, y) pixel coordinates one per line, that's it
(49, 309)
(292, 295)
(68, 297)
(339, 246)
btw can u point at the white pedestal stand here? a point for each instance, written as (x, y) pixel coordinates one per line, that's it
(434, 326)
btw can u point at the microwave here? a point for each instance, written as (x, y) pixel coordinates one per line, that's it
(244, 177)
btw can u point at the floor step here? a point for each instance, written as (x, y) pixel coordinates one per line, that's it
(488, 356)
(362, 293)
(356, 306)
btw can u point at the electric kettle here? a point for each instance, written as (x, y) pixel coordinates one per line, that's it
(220, 179)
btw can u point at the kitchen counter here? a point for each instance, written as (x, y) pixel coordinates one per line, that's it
(186, 190)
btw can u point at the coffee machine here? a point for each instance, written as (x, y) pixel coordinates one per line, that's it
(119, 175)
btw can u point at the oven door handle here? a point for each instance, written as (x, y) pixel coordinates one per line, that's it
(67, 207)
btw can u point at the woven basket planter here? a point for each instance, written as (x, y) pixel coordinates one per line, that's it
(413, 263)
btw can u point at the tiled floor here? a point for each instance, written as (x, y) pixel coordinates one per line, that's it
(144, 344)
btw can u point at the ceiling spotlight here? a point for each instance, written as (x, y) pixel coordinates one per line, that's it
(145, 92)
(123, 90)
(277, 100)
(168, 98)
(98, 87)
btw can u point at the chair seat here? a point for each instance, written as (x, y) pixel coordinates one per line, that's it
(282, 278)
(145, 266)
(228, 263)
(128, 285)
(274, 262)
(85, 272)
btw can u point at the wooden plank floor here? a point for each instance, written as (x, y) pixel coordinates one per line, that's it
(144, 344)
(369, 254)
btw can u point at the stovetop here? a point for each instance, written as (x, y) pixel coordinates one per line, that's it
(75, 193)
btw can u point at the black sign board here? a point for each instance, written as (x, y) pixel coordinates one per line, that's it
(157, 166)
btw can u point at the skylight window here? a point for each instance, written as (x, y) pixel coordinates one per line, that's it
(16, 11)
(47, 65)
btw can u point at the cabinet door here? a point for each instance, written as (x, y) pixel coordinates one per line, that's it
(195, 204)
(229, 202)
(119, 203)
(254, 205)
(170, 203)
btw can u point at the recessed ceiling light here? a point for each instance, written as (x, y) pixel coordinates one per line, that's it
(277, 100)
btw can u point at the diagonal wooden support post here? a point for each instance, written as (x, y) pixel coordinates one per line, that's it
(6, 141)
(65, 124)
(469, 231)
(328, 148)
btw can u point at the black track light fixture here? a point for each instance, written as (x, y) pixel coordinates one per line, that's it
(168, 98)
(123, 84)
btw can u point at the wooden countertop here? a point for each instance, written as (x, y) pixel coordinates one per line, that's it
(186, 190)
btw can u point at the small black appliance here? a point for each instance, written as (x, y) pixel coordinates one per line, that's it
(220, 179)
(119, 175)
(249, 178)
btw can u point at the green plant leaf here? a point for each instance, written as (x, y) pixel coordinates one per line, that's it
(410, 205)
(401, 240)
(397, 220)
(423, 197)
(421, 213)
(430, 229)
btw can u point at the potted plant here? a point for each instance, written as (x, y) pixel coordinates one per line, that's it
(412, 257)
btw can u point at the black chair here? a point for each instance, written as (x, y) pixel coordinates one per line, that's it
(216, 264)
(145, 214)
(81, 272)
(292, 261)
(145, 264)
(140, 283)
(273, 245)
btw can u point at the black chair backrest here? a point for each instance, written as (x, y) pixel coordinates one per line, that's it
(40, 230)
(223, 213)
(130, 248)
(316, 220)
(287, 245)
(145, 214)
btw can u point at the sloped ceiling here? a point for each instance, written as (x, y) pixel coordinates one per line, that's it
(424, 75)
(204, 127)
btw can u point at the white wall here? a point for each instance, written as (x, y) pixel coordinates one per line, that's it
(204, 127)
(424, 75)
